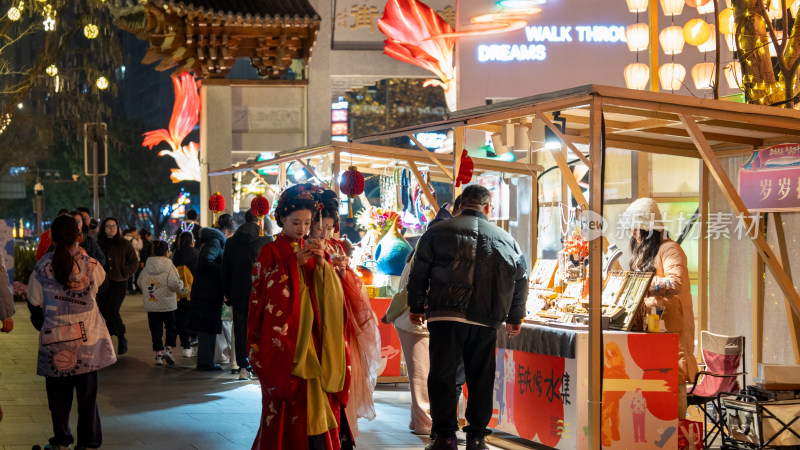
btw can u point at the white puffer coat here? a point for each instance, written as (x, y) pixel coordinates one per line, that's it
(159, 282)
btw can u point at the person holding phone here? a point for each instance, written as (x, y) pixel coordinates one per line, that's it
(295, 333)
(74, 342)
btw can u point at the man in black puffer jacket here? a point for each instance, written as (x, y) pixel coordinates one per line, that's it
(241, 251)
(469, 276)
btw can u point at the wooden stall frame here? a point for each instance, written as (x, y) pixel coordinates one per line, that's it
(662, 124)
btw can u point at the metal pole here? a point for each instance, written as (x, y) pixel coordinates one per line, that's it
(95, 178)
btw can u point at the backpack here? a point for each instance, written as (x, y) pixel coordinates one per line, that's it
(186, 276)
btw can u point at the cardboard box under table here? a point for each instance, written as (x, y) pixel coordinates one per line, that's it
(541, 388)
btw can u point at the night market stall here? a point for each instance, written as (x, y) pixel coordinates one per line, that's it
(564, 361)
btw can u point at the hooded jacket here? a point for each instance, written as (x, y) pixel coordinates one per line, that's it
(74, 339)
(466, 267)
(241, 251)
(207, 294)
(159, 282)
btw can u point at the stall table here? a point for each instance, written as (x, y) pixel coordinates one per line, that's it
(541, 388)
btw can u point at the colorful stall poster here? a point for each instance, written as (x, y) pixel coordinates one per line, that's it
(770, 180)
(544, 398)
(7, 246)
(391, 353)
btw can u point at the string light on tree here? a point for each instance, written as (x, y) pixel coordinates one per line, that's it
(49, 24)
(102, 83)
(51, 70)
(5, 121)
(91, 31)
(14, 14)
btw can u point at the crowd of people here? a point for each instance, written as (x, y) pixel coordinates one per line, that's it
(288, 308)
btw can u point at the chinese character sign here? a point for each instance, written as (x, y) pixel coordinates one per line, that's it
(770, 180)
(355, 24)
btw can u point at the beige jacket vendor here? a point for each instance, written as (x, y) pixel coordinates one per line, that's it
(653, 251)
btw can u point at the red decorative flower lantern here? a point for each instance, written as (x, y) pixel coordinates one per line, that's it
(259, 207)
(352, 185)
(465, 170)
(216, 204)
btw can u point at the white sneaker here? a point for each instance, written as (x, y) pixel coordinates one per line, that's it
(159, 360)
(168, 357)
(244, 374)
(188, 353)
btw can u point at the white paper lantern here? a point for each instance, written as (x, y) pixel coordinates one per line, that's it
(671, 39)
(708, 8)
(727, 21)
(696, 32)
(703, 75)
(793, 9)
(637, 75)
(733, 74)
(671, 75)
(730, 40)
(773, 51)
(638, 37)
(710, 44)
(637, 6)
(672, 7)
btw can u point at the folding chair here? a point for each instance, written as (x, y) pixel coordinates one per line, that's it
(722, 357)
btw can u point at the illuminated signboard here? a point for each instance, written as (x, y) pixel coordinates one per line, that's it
(340, 105)
(339, 138)
(537, 36)
(339, 115)
(430, 140)
(339, 129)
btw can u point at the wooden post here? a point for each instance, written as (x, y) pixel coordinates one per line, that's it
(432, 157)
(702, 243)
(337, 167)
(783, 280)
(595, 280)
(423, 185)
(758, 302)
(534, 219)
(794, 322)
(458, 145)
(652, 14)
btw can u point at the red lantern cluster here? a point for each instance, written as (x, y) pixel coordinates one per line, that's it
(259, 206)
(216, 203)
(352, 182)
(465, 170)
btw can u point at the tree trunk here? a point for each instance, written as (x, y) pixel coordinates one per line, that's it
(790, 58)
(759, 81)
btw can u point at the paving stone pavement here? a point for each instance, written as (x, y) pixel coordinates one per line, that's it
(163, 407)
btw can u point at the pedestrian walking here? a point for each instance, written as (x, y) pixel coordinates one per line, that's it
(241, 251)
(160, 283)
(121, 264)
(185, 261)
(205, 317)
(468, 277)
(88, 243)
(73, 342)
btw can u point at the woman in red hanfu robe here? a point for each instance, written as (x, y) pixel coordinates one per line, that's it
(361, 326)
(295, 334)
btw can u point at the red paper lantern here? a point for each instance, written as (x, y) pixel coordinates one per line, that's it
(259, 206)
(465, 170)
(352, 182)
(216, 203)
(352, 186)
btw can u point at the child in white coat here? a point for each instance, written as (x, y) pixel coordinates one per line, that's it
(160, 282)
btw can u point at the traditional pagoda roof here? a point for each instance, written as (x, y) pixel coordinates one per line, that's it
(207, 36)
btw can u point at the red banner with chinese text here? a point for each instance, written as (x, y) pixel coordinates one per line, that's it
(770, 180)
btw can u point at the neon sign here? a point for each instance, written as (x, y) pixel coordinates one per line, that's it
(537, 35)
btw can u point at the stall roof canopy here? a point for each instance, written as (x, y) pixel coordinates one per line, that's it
(377, 159)
(634, 120)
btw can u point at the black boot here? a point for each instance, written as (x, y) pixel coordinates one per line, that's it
(441, 443)
(476, 442)
(122, 345)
